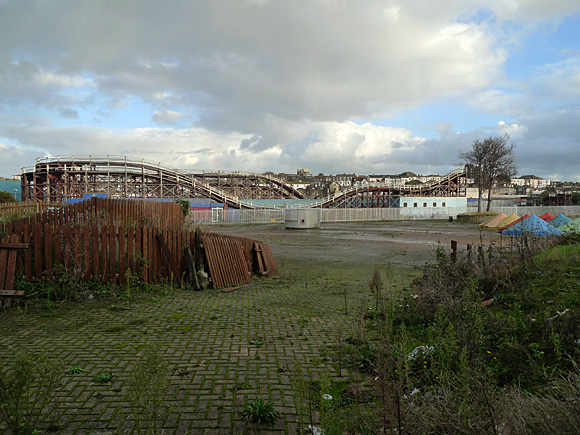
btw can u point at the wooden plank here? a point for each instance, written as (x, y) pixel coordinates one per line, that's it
(11, 292)
(58, 250)
(151, 243)
(154, 255)
(14, 245)
(68, 251)
(130, 249)
(145, 254)
(11, 266)
(95, 249)
(3, 262)
(122, 242)
(169, 257)
(38, 251)
(104, 253)
(87, 253)
(79, 254)
(112, 254)
(48, 250)
(28, 253)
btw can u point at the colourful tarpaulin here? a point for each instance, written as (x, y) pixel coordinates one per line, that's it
(560, 220)
(506, 221)
(547, 217)
(489, 219)
(524, 217)
(571, 227)
(533, 226)
(494, 221)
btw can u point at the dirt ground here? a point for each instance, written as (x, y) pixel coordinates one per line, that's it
(408, 242)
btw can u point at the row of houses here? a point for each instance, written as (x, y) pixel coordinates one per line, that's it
(322, 185)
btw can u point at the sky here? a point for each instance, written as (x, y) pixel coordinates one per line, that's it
(334, 86)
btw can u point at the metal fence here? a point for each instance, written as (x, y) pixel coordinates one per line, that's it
(219, 216)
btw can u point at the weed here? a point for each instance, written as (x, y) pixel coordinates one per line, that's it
(259, 411)
(147, 387)
(75, 370)
(27, 392)
(115, 328)
(256, 342)
(103, 379)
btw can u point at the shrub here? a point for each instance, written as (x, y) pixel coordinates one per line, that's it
(27, 392)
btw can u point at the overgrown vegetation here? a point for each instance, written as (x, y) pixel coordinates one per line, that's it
(27, 393)
(147, 388)
(184, 206)
(486, 344)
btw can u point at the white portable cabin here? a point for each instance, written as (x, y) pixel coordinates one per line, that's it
(302, 218)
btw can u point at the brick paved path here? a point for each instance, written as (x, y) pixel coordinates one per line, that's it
(210, 340)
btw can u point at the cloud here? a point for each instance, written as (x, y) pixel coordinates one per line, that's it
(241, 62)
(167, 117)
(276, 85)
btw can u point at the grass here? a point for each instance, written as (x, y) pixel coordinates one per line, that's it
(259, 411)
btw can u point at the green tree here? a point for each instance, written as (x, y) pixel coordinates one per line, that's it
(6, 197)
(184, 206)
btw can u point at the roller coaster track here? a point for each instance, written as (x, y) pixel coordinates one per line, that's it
(386, 195)
(69, 177)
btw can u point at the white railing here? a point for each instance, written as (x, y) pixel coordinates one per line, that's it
(267, 216)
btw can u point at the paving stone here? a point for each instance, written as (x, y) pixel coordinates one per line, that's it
(222, 349)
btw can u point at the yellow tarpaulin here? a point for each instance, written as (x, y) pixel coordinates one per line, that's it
(505, 221)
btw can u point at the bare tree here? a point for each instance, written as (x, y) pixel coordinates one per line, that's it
(490, 159)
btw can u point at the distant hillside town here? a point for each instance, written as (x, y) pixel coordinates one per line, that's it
(523, 190)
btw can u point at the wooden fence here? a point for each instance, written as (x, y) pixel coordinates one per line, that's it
(112, 253)
(119, 212)
(102, 253)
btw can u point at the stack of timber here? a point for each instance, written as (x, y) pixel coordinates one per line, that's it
(232, 260)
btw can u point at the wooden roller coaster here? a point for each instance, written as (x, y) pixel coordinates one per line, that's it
(60, 178)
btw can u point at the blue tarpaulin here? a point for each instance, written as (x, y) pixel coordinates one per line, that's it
(533, 226)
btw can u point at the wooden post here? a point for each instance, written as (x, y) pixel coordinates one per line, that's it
(453, 251)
